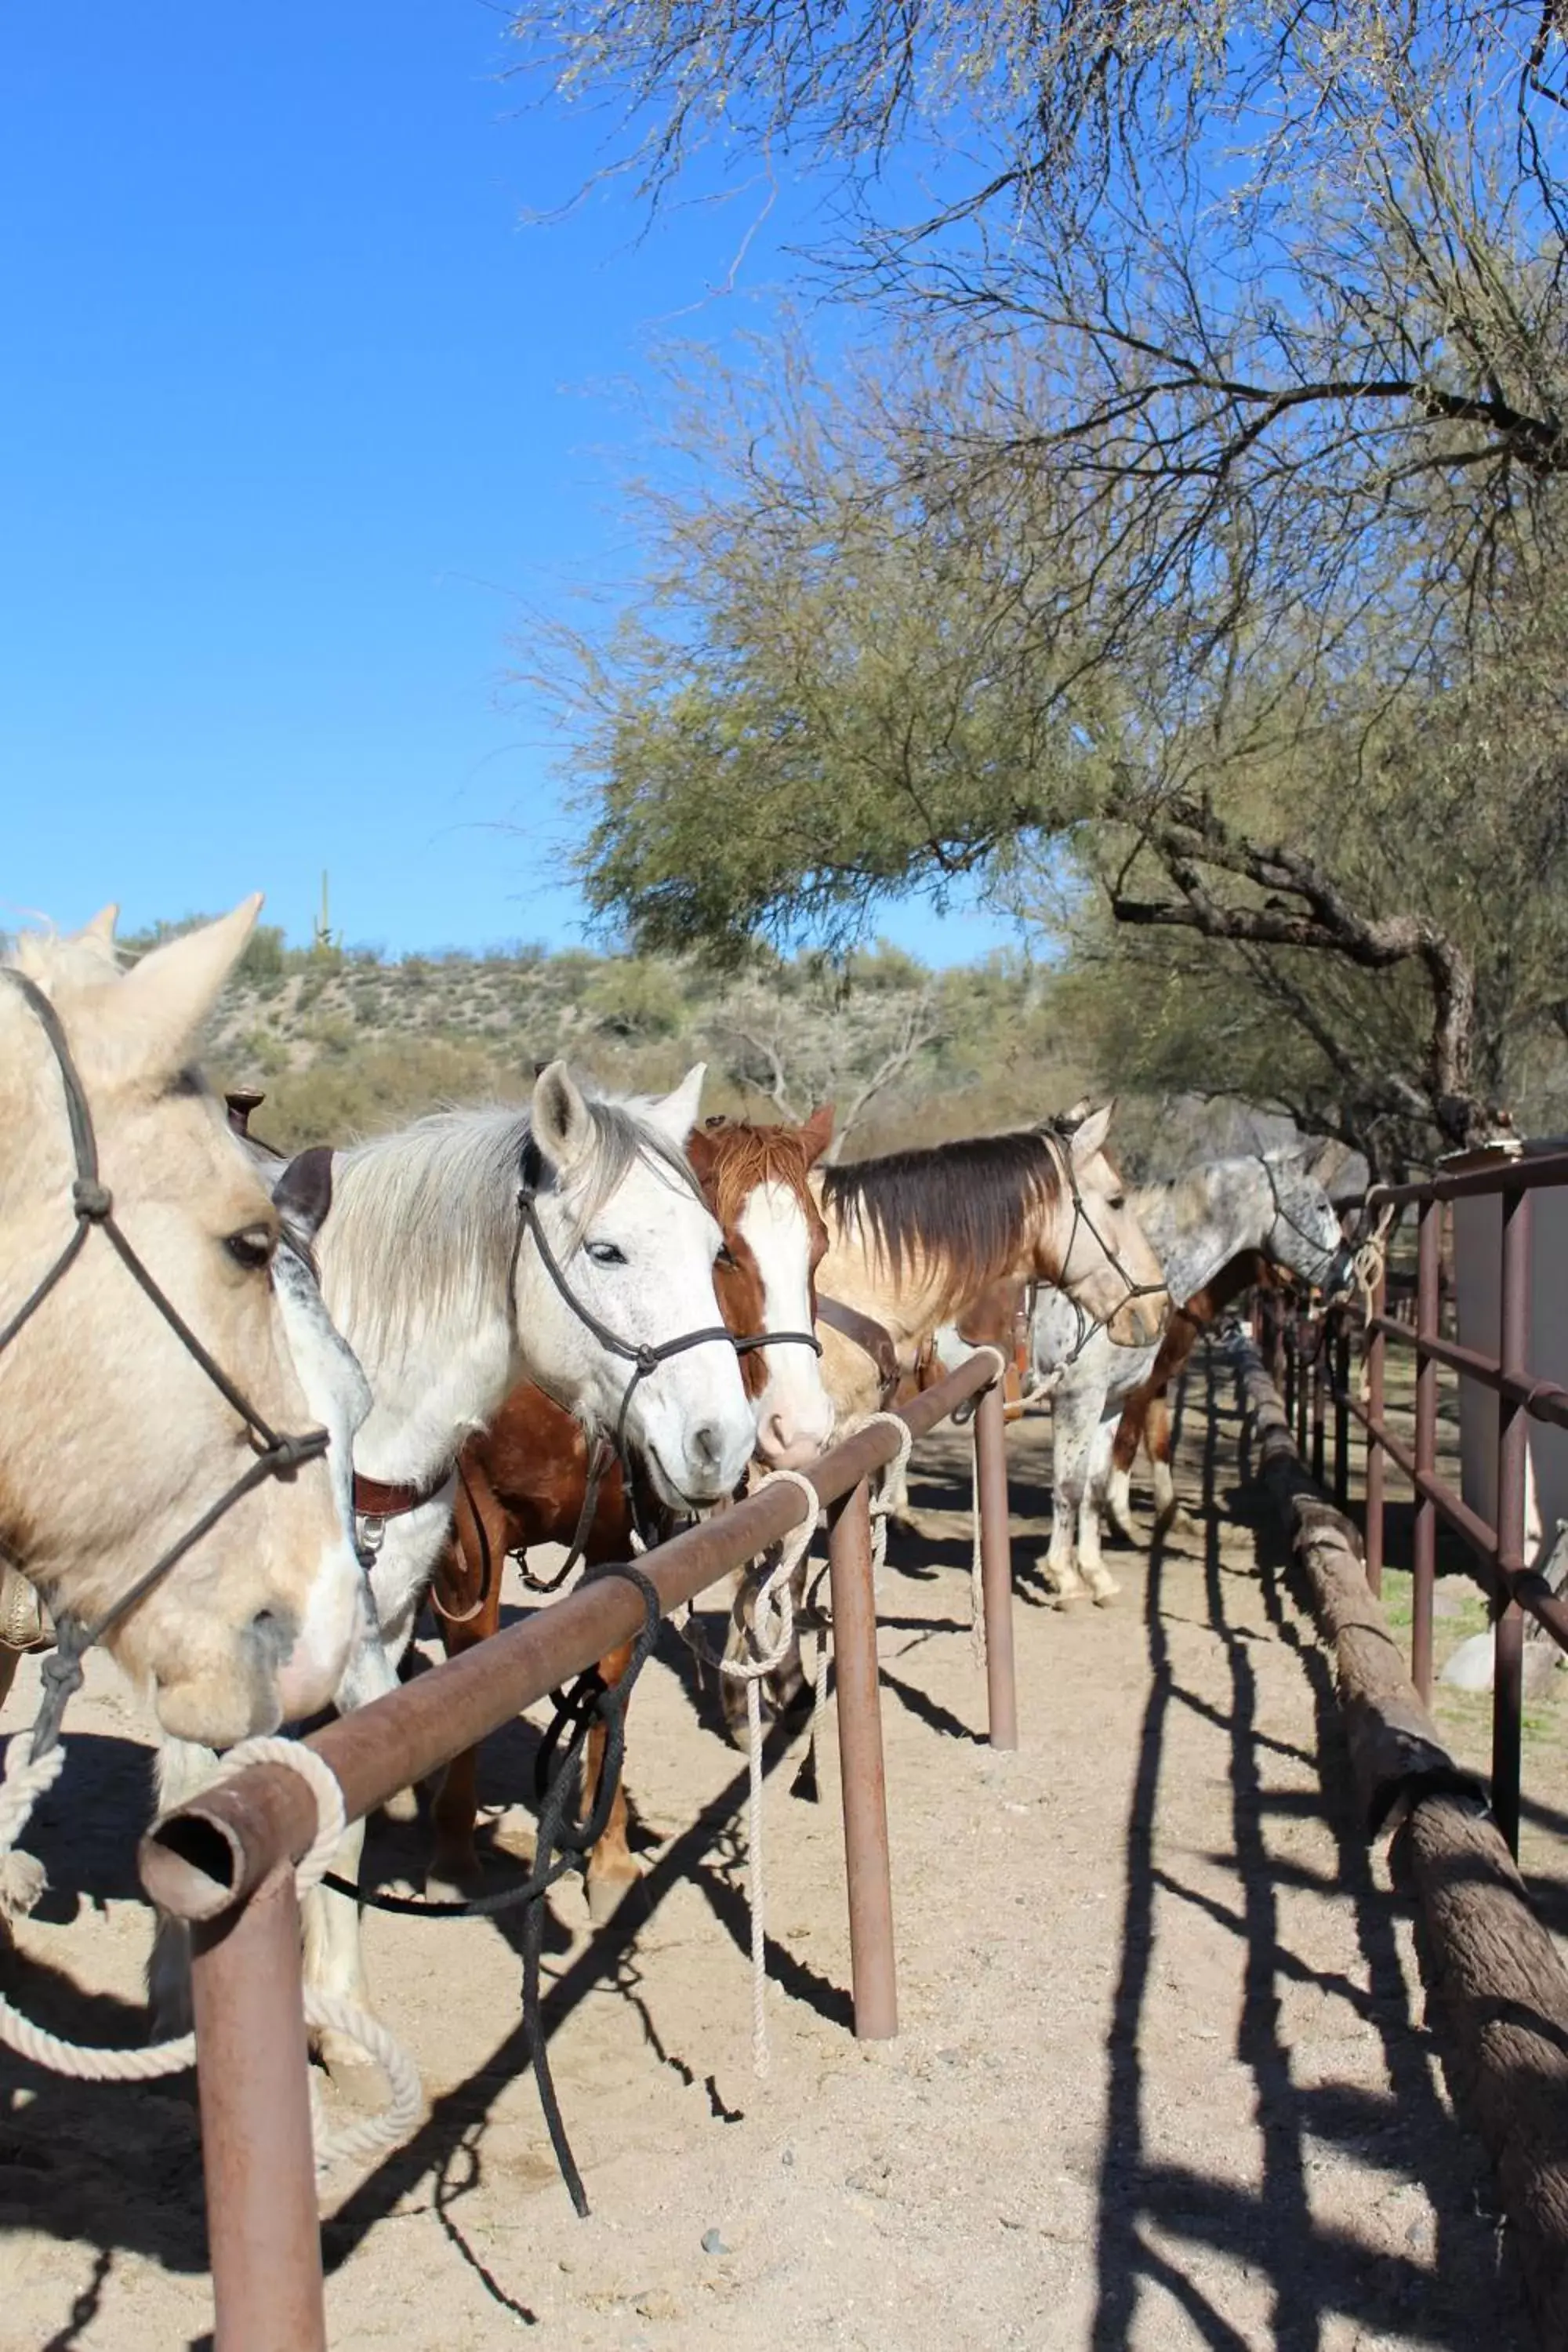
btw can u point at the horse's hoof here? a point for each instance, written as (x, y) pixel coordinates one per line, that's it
(357, 2079)
(606, 1894)
(453, 1878)
(1103, 1591)
(402, 1806)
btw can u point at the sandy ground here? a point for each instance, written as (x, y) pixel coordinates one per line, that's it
(1161, 2082)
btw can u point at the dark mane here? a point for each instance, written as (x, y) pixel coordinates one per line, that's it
(967, 1205)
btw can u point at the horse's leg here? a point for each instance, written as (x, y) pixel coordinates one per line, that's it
(1069, 1460)
(1123, 1454)
(1096, 1575)
(1168, 1510)
(334, 1962)
(612, 1866)
(454, 1864)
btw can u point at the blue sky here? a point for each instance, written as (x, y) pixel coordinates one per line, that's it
(298, 415)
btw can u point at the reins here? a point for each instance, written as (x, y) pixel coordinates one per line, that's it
(278, 1454)
(1056, 1132)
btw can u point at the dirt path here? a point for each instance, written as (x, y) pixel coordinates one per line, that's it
(1158, 2084)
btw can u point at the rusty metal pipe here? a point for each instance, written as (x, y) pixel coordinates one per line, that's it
(1424, 1545)
(213, 1849)
(996, 1566)
(253, 2080)
(861, 1773)
(1512, 1467)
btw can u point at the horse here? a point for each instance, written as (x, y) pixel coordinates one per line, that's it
(916, 1236)
(118, 1435)
(1264, 1202)
(1146, 1417)
(525, 1480)
(569, 1243)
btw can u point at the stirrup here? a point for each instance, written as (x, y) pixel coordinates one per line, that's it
(25, 1622)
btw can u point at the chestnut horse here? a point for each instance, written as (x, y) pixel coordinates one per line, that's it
(1146, 1416)
(524, 1481)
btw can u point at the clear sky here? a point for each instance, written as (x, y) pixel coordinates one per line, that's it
(298, 415)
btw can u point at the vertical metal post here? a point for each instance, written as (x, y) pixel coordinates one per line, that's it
(1512, 1454)
(1424, 1555)
(263, 2235)
(1286, 1355)
(1376, 1462)
(1341, 1409)
(1320, 1403)
(996, 1565)
(862, 1774)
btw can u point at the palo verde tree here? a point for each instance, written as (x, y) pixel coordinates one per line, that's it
(1209, 544)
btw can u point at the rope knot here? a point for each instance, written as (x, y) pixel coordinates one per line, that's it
(648, 1360)
(93, 1201)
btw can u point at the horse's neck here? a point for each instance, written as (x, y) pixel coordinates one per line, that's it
(908, 1303)
(1204, 1220)
(439, 1358)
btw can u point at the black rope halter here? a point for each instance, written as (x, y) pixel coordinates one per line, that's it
(277, 1455)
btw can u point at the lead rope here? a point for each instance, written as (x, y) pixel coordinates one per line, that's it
(1367, 1271)
(767, 1618)
(27, 1778)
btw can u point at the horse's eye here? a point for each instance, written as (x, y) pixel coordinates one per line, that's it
(1118, 1200)
(726, 1258)
(252, 1248)
(606, 1252)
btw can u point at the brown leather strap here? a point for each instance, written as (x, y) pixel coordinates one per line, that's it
(867, 1335)
(378, 1498)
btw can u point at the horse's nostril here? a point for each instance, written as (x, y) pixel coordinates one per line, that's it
(273, 1632)
(706, 1445)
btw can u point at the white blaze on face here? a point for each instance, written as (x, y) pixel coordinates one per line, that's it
(795, 1411)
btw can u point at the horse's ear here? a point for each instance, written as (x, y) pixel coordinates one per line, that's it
(1067, 1121)
(100, 931)
(162, 1002)
(676, 1113)
(304, 1193)
(702, 1152)
(1089, 1132)
(817, 1133)
(559, 1119)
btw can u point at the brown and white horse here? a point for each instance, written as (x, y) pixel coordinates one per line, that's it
(524, 1481)
(916, 1237)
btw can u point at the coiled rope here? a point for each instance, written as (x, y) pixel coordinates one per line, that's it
(27, 1779)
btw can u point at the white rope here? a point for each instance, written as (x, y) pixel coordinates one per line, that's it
(1367, 1270)
(767, 1619)
(25, 1782)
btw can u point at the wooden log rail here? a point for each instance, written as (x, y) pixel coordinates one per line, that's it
(1497, 1991)
(224, 1861)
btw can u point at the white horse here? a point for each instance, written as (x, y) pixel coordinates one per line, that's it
(437, 1279)
(115, 1439)
(1266, 1202)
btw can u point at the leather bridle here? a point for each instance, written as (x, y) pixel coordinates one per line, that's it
(278, 1455)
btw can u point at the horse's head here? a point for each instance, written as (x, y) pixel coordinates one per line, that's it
(1091, 1245)
(634, 1243)
(117, 1440)
(754, 1179)
(1302, 1230)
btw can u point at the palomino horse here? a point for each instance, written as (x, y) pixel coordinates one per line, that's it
(118, 1437)
(571, 1244)
(1146, 1416)
(1266, 1202)
(524, 1482)
(918, 1236)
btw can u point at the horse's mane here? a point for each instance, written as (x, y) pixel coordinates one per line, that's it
(745, 1157)
(963, 1205)
(426, 1219)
